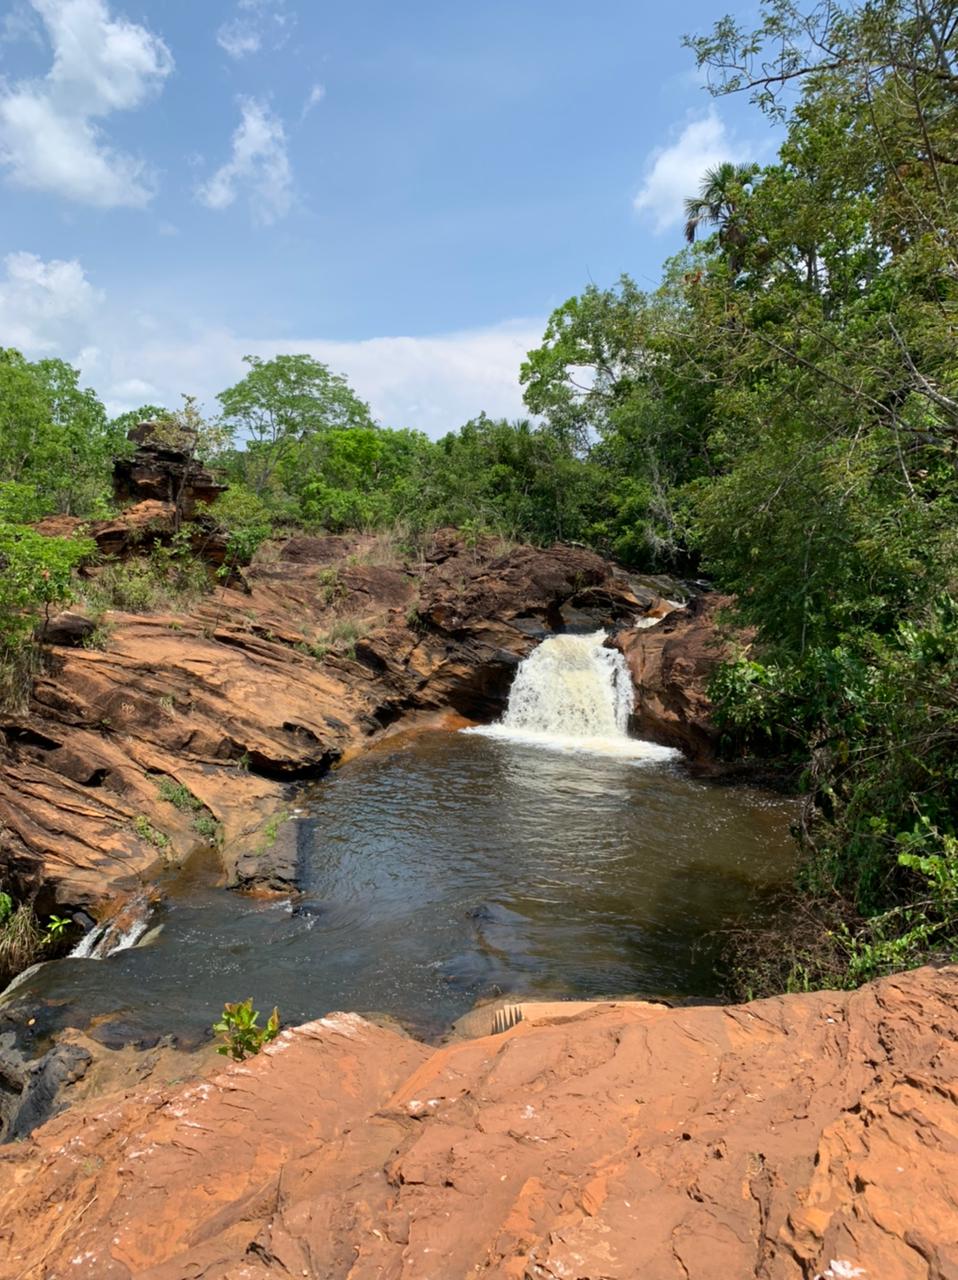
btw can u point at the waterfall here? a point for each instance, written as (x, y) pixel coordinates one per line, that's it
(574, 693)
(119, 934)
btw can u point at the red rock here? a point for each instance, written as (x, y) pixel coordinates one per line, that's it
(671, 665)
(805, 1136)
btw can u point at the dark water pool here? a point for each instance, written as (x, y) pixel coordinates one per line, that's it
(445, 868)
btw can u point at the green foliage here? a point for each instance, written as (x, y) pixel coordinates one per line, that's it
(282, 408)
(179, 795)
(208, 829)
(54, 437)
(146, 831)
(36, 574)
(21, 939)
(360, 477)
(6, 906)
(170, 576)
(242, 1035)
(56, 928)
(245, 519)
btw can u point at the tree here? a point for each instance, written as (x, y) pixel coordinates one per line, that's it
(282, 406)
(720, 202)
(36, 573)
(54, 435)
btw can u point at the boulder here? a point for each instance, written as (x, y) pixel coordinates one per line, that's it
(671, 664)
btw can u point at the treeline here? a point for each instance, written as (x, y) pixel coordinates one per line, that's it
(780, 415)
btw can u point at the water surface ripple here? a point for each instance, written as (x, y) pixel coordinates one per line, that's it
(452, 865)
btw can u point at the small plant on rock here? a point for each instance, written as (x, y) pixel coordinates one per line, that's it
(242, 1035)
(56, 928)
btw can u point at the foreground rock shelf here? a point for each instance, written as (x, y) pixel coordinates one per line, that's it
(805, 1136)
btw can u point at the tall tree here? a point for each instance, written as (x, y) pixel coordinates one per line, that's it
(281, 406)
(720, 203)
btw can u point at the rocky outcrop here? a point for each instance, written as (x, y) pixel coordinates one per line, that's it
(181, 728)
(800, 1137)
(671, 665)
(162, 468)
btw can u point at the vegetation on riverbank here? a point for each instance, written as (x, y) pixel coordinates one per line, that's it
(781, 415)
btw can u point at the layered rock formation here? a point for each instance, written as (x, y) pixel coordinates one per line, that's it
(318, 650)
(806, 1136)
(671, 664)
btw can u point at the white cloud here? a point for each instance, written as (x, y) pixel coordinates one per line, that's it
(256, 23)
(238, 39)
(49, 138)
(313, 99)
(673, 173)
(259, 163)
(46, 307)
(433, 383)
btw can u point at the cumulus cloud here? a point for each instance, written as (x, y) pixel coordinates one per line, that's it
(46, 307)
(256, 23)
(673, 173)
(259, 164)
(433, 383)
(49, 136)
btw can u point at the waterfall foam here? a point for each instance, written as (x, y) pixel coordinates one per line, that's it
(119, 934)
(573, 693)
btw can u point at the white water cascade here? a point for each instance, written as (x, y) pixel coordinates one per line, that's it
(574, 694)
(119, 934)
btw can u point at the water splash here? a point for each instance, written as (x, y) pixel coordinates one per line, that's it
(574, 694)
(119, 934)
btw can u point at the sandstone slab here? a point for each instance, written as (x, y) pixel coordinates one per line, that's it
(805, 1136)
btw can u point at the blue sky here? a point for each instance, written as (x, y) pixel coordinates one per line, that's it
(404, 190)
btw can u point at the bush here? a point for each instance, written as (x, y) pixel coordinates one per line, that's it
(242, 1036)
(876, 718)
(21, 939)
(36, 574)
(245, 519)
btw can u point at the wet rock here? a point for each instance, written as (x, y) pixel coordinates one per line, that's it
(810, 1135)
(276, 865)
(30, 1091)
(119, 1034)
(671, 665)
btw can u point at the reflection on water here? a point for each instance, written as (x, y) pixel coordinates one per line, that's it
(452, 865)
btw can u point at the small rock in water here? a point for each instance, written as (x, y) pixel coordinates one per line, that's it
(311, 909)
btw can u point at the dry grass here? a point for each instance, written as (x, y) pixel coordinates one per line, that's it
(21, 942)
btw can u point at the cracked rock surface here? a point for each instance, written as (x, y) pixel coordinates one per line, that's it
(799, 1137)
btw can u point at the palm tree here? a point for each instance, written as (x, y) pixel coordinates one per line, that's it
(718, 204)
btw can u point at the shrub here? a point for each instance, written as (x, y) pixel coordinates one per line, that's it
(180, 796)
(36, 573)
(245, 519)
(239, 1027)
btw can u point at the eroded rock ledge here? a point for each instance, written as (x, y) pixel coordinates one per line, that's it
(240, 697)
(805, 1136)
